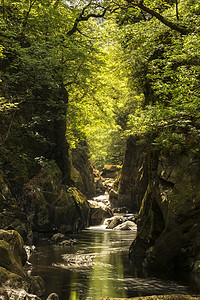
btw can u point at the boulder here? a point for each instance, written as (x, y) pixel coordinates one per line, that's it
(12, 259)
(110, 171)
(69, 242)
(113, 197)
(18, 294)
(98, 215)
(114, 221)
(51, 206)
(58, 237)
(53, 296)
(127, 225)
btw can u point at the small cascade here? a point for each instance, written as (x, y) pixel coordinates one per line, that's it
(102, 216)
(100, 201)
(118, 222)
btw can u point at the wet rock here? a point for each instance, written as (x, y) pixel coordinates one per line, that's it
(120, 210)
(98, 214)
(12, 252)
(127, 225)
(114, 222)
(12, 258)
(29, 250)
(134, 175)
(58, 237)
(53, 296)
(69, 242)
(113, 196)
(98, 180)
(114, 192)
(37, 286)
(18, 294)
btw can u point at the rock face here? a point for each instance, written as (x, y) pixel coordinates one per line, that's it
(134, 175)
(98, 215)
(110, 171)
(82, 170)
(168, 220)
(12, 259)
(11, 216)
(52, 206)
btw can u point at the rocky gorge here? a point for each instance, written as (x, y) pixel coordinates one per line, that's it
(46, 210)
(165, 190)
(49, 209)
(161, 193)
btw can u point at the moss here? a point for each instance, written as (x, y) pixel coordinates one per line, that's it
(72, 208)
(76, 177)
(12, 279)
(12, 258)
(15, 240)
(77, 195)
(9, 260)
(54, 206)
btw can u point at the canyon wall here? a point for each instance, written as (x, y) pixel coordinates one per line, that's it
(167, 189)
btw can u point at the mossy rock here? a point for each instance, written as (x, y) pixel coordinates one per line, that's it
(13, 280)
(15, 240)
(77, 179)
(12, 254)
(81, 170)
(12, 259)
(11, 216)
(72, 211)
(53, 206)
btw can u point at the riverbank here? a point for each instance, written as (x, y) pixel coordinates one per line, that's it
(157, 297)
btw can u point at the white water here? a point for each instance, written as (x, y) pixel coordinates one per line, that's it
(100, 201)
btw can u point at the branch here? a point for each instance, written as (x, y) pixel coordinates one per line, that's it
(87, 36)
(25, 21)
(82, 18)
(177, 16)
(9, 127)
(170, 24)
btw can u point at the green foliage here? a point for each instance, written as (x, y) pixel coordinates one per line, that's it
(166, 70)
(38, 61)
(126, 74)
(99, 110)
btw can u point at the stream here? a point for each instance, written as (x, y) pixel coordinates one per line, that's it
(97, 266)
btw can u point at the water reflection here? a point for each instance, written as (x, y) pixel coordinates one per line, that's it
(96, 267)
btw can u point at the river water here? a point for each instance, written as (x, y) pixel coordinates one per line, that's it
(97, 266)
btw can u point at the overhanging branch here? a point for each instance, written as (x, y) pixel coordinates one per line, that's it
(152, 12)
(83, 18)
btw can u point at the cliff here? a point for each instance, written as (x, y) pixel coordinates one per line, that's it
(38, 189)
(168, 187)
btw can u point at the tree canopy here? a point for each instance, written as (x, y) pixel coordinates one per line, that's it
(109, 68)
